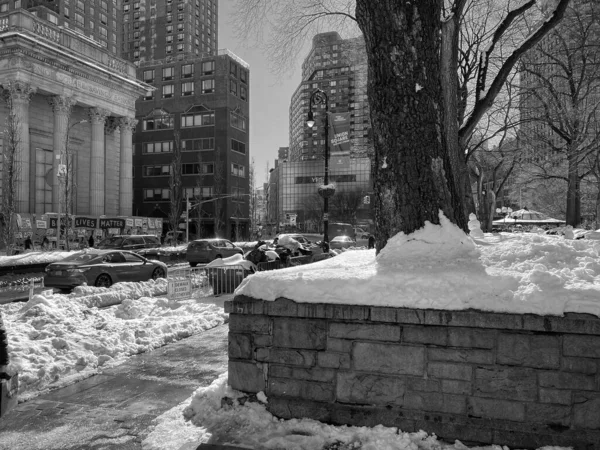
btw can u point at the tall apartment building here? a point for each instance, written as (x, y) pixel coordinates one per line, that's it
(200, 106)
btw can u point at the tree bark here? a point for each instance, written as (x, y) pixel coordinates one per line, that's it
(573, 196)
(413, 177)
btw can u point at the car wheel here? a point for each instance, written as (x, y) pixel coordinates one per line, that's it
(159, 272)
(103, 280)
(193, 264)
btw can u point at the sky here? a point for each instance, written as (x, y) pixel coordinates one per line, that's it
(270, 96)
(58, 339)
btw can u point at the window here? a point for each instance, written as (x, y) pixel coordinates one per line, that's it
(3, 7)
(238, 146)
(180, 19)
(197, 169)
(243, 76)
(169, 49)
(149, 95)
(66, 11)
(168, 73)
(180, 36)
(79, 19)
(170, 18)
(104, 5)
(237, 121)
(243, 93)
(202, 144)
(158, 122)
(187, 88)
(187, 71)
(168, 90)
(157, 195)
(103, 32)
(233, 68)
(208, 67)
(157, 147)
(197, 119)
(179, 27)
(169, 39)
(208, 86)
(136, 5)
(103, 19)
(180, 47)
(169, 28)
(233, 87)
(51, 18)
(238, 193)
(199, 192)
(156, 171)
(237, 170)
(81, 4)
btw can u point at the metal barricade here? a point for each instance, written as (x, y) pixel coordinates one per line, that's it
(269, 265)
(183, 281)
(224, 279)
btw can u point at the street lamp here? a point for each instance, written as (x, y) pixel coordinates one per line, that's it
(318, 97)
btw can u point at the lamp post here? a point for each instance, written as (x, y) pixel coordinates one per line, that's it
(319, 97)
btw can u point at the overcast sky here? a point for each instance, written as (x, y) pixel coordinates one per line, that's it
(269, 96)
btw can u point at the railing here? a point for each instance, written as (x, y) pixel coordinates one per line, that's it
(221, 279)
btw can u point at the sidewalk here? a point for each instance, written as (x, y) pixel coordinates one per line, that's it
(115, 409)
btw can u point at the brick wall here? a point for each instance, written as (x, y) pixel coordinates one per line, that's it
(519, 380)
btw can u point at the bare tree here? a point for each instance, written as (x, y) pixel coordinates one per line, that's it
(419, 166)
(218, 189)
(344, 204)
(11, 170)
(252, 198)
(175, 184)
(561, 102)
(312, 207)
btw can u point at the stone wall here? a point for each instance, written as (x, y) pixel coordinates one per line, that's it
(519, 380)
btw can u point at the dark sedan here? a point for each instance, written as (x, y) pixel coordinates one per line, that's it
(102, 268)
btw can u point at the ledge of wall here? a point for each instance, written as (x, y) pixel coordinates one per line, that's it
(519, 380)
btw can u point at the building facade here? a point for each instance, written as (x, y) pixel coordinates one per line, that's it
(74, 101)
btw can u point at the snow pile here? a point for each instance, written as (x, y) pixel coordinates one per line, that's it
(57, 339)
(34, 258)
(440, 267)
(91, 296)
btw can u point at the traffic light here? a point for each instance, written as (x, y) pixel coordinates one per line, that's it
(367, 200)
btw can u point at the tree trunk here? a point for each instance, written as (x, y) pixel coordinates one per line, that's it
(413, 178)
(573, 194)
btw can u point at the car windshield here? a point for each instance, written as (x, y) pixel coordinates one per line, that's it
(112, 241)
(81, 257)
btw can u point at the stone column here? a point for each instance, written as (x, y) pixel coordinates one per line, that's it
(97, 118)
(127, 125)
(62, 111)
(17, 95)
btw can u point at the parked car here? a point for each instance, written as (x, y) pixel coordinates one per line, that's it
(340, 242)
(102, 268)
(361, 234)
(130, 242)
(298, 237)
(207, 250)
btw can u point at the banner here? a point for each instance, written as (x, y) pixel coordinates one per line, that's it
(112, 223)
(138, 222)
(63, 222)
(85, 222)
(129, 222)
(339, 132)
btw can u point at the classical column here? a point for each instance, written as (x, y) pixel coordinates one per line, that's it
(62, 111)
(17, 95)
(97, 118)
(127, 125)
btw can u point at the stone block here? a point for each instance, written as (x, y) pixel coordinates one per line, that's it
(474, 319)
(300, 333)
(425, 335)
(346, 312)
(385, 358)
(557, 396)
(242, 304)
(310, 374)
(574, 323)
(436, 402)
(450, 371)
(529, 350)
(505, 383)
(307, 390)
(488, 408)
(249, 324)
(366, 389)
(548, 414)
(302, 358)
(246, 377)
(471, 338)
(262, 340)
(564, 380)
(228, 306)
(382, 314)
(339, 345)
(282, 307)
(580, 365)
(288, 408)
(333, 360)
(582, 346)
(456, 387)
(473, 356)
(422, 384)
(369, 332)
(312, 310)
(416, 316)
(371, 416)
(586, 410)
(240, 346)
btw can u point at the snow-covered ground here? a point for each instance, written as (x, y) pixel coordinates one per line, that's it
(57, 339)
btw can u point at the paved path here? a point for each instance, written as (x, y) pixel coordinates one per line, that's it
(115, 409)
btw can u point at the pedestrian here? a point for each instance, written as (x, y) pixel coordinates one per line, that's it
(91, 241)
(28, 243)
(45, 243)
(371, 241)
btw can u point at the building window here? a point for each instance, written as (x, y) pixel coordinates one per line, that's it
(169, 28)
(180, 17)
(197, 119)
(202, 144)
(4, 7)
(187, 71)
(238, 146)
(168, 90)
(180, 36)
(169, 39)
(65, 12)
(237, 170)
(243, 93)
(168, 73)
(79, 19)
(197, 169)
(149, 95)
(53, 19)
(81, 4)
(208, 67)
(104, 19)
(237, 121)
(179, 27)
(156, 171)
(149, 76)
(238, 193)
(243, 76)
(187, 88)
(233, 68)
(208, 86)
(157, 195)
(162, 122)
(180, 47)
(169, 49)
(233, 87)
(157, 147)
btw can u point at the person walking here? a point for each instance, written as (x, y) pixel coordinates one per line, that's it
(91, 241)
(371, 241)
(28, 243)
(45, 243)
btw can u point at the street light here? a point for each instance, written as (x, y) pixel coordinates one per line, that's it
(318, 97)
(62, 174)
